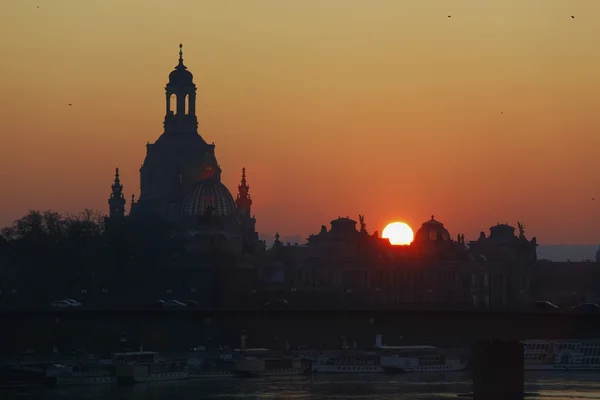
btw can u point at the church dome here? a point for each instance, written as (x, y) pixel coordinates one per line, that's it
(432, 230)
(205, 196)
(181, 76)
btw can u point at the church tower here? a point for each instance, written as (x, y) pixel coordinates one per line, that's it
(243, 202)
(180, 158)
(116, 202)
(180, 94)
(243, 205)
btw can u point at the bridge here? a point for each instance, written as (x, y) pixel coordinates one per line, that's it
(167, 329)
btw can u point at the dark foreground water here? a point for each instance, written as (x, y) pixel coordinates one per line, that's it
(550, 385)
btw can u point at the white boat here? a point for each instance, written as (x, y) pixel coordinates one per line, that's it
(562, 355)
(252, 366)
(265, 362)
(347, 361)
(203, 363)
(420, 359)
(80, 374)
(145, 366)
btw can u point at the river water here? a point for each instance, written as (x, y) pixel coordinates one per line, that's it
(549, 385)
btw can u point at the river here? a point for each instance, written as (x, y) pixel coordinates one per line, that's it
(549, 385)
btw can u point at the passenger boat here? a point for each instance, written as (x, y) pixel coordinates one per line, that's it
(347, 361)
(216, 363)
(421, 359)
(562, 355)
(145, 366)
(265, 362)
(123, 368)
(80, 374)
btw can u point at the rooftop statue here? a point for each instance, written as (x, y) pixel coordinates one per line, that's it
(363, 226)
(521, 230)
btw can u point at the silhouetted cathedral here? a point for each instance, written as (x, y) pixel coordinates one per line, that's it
(180, 179)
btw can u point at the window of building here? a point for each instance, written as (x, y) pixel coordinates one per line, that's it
(432, 235)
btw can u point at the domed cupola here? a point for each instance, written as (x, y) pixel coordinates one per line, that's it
(432, 231)
(208, 197)
(180, 75)
(181, 100)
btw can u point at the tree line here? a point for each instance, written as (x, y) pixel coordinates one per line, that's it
(50, 244)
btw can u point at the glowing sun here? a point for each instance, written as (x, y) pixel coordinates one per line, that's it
(398, 233)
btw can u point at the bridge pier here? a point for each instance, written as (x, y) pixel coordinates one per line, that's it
(498, 370)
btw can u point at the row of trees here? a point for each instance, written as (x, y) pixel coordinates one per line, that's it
(52, 227)
(50, 240)
(45, 249)
(47, 240)
(45, 252)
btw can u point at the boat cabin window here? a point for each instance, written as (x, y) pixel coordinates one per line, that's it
(141, 357)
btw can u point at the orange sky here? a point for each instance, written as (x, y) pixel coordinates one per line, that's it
(335, 107)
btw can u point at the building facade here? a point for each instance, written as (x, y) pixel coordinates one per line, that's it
(347, 266)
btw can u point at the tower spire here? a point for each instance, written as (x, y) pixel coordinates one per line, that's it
(116, 201)
(180, 65)
(244, 178)
(117, 188)
(243, 201)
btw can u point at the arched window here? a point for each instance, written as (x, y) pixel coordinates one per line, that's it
(173, 104)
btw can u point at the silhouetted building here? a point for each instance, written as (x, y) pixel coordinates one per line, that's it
(504, 246)
(432, 240)
(350, 266)
(180, 180)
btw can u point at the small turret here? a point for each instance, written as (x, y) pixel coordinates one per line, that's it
(116, 202)
(243, 202)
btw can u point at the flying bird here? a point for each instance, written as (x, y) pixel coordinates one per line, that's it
(572, 16)
(70, 104)
(449, 16)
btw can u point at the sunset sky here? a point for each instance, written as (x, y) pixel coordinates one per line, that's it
(386, 108)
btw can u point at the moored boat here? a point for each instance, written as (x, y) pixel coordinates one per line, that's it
(421, 359)
(265, 362)
(562, 355)
(347, 361)
(80, 374)
(145, 366)
(216, 363)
